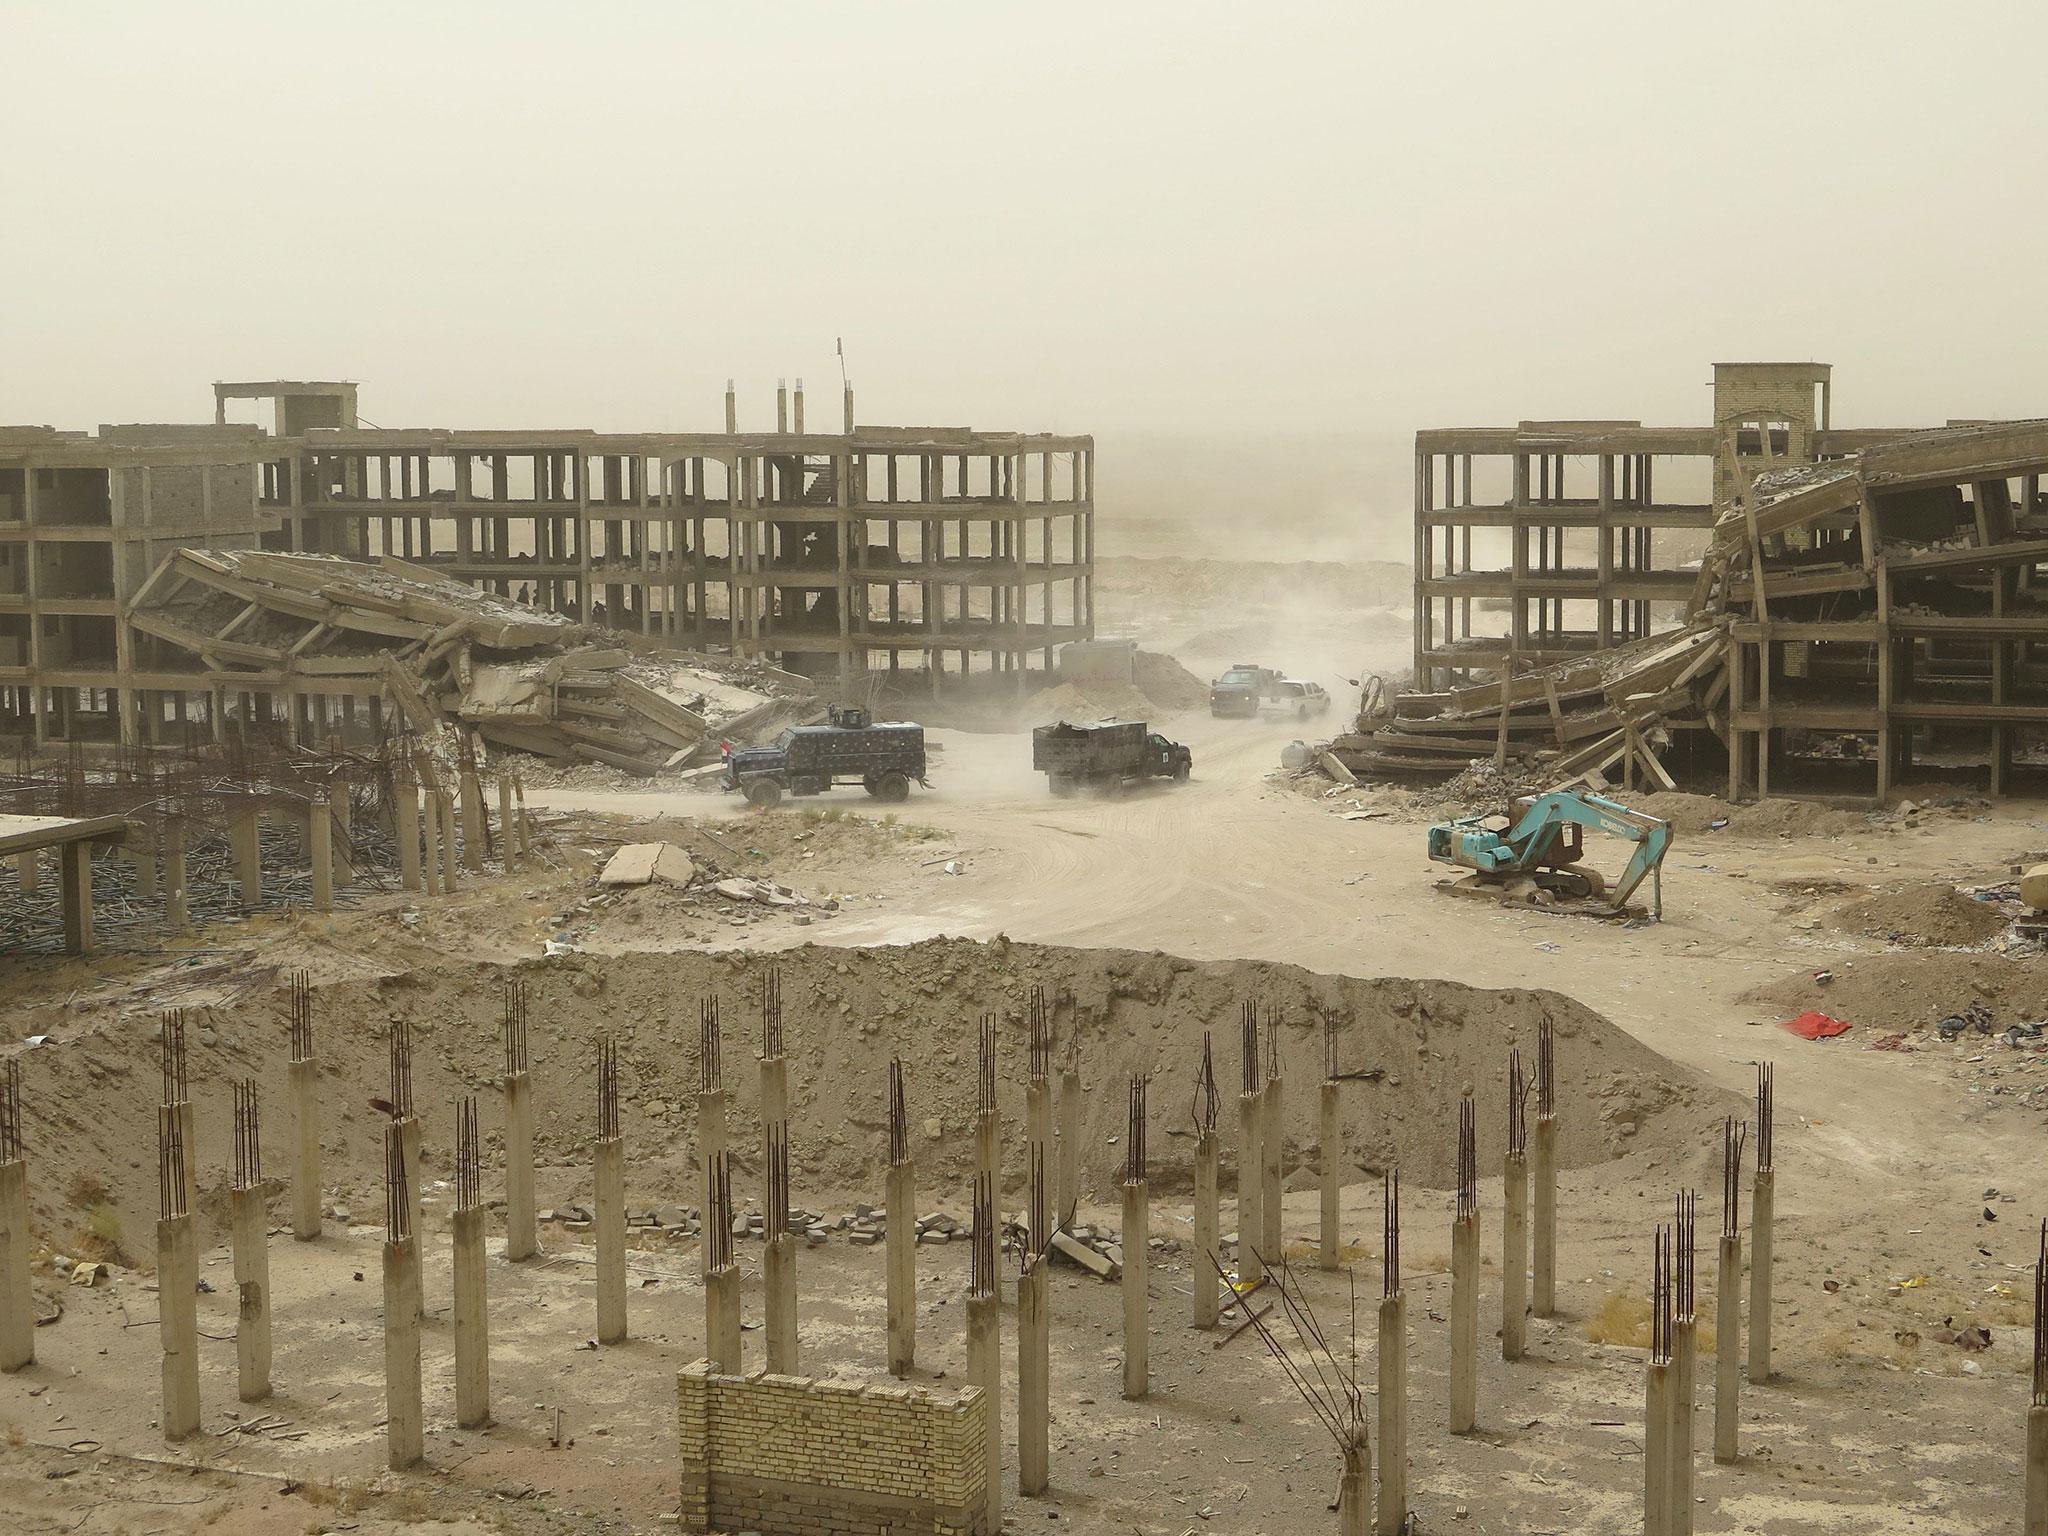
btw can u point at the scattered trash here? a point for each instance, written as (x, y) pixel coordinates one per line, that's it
(1717, 823)
(1816, 1026)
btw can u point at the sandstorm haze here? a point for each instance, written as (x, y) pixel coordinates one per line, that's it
(1251, 248)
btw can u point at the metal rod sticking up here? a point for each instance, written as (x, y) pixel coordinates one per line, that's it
(1546, 1070)
(1041, 1203)
(1734, 1135)
(172, 1056)
(981, 1258)
(1765, 1093)
(302, 1016)
(12, 1141)
(1251, 1046)
(986, 1096)
(771, 1012)
(1518, 1112)
(514, 1031)
(1390, 1269)
(899, 1117)
(778, 1179)
(1329, 1048)
(248, 1136)
(468, 1155)
(401, 1070)
(1206, 1105)
(718, 1215)
(397, 1200)
(1041, 1036)
(170, 1166)
(710, 1068)
(607, 1088)
(2041, 1321)
(1468, 1159)
(1684, 1227)
(1134, 1142)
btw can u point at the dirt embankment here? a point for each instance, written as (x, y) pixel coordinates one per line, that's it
(92, 1098)
(1930, 912)
(1896, 992)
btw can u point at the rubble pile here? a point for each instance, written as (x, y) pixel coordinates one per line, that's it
(442, 654)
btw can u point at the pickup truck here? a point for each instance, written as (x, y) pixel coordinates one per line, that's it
(1105, 754)
(846, 749)
(1242, 690)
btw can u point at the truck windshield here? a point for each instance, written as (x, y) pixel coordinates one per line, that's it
(1237, 676)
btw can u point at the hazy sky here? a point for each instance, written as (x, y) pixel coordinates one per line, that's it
(1110, 217)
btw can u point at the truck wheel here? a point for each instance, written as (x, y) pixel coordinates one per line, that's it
(893, 788)
(1061, 786)
(764, 793)
(1181, 772)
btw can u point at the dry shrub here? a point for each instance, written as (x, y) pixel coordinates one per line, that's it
(1620, 1319)
(86, 1191)
(101, 1240)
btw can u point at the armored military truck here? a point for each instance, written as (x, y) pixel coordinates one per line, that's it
(1104, 754)
(847, 749)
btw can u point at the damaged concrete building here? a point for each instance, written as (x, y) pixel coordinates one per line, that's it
(936, 557)
(1764, 599)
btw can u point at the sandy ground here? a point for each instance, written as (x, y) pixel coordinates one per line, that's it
(1884, 1160)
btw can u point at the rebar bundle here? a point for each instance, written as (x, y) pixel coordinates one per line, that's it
(1518, 1108)
(1734, 1135)
(778, 1178)
(607, 1088)
(400, 1045)
(514, 1031)
(248, 1136)
(1468, 1159)
(1205, 1091)
(171, 1194)
(1390, 1269)
(469, 1167)
(1660, 1300)
(1250, 1029)
(397, 1199)
(1328, 1385)
(1041, 1036)
(1685, 1232)
(710, 1066)
(1040, 1199)
(2041, 1321)
(1329, 1049)
(1765, 1086)
(771, 1013)
(1546, 1071)
(985, 1097)
(171, 1054)
(12, 1141)
(302, 1016)
(1134, 1142)
(899, 1118)
(718, 1215)
(981, 1257)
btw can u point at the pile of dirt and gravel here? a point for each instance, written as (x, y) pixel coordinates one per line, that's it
(1927, 912)
(1693, 814)
(1886, 994)
(92, 1095)
(1159, 687)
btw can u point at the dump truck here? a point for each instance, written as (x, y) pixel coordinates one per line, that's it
(1105, 754)
(1243, 690)
(847, 749)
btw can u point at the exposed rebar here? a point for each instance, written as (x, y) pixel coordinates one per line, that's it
(1134, 1141)
(1390, 1268)
(401, 1069)
(171, 1194)
(778, 1178)
(985, 1095)
(1329, 1048)
(1250, 1029)
(1040, 1035)
(1205, 1091)
(172, 1056)
(710, 1066)
(1734, 1135)
(899, 1116)
(1041, 1200)
(607, 1088)
(771, 1013)
(1685, 1233)
(1765, 1092)
(981, 1257)
(469, 1167)
(1660, 1300)
(1518, 1107)
(248, 1135)
(1328, 1385)
(1546, 1071)
(12, 1141)
(302, 1016)
(397, 1201)
(718, 1215)
(1468, 1158)
(514, 1031)
(2041, 1320)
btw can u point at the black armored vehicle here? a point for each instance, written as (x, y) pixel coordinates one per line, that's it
(1105, 754)
(846, 749)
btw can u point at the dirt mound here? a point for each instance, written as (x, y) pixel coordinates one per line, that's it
(1931, 912)
(1168, 684)
(1888, 993)
(1689, 813)
(846, 1011)
(1092, 701)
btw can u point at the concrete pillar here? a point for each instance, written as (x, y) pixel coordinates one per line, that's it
(1684, 1383)
(722, 1319)
(1514, 1259)
(1330, 1150)
(177, 1286)
(1762, 1198)
(1208, 1228)
(17, 1288)
(251, 1245)
(303, 1081)
(1393, 1405)
(609, 1157)
(450, 849)
(1038, 1141)
(75, 860)
(176, 907)
(1657, 1450)
(778, 1276)
(472, 1322)
(320, 848)
(988, 1150)
(1464, 1325)
(1136, 1295)
(404, 1420)
(142, 856)
(1066, 1188)
(1272, 1143)
(505, 834)
(710, 1147)
(1727, 1354)
(525, 829)
(472, 822)
(522, 1239)
(244, 828)
(406, 798)
(430, 837)
(183, 1110)
(1354, 1492)
(415, 1181)
(985, 1370)
(1251, 1188)
(2037, 1472)
(1034, 1381)
(28, 868)
(1546, 1216)
(901, 1215)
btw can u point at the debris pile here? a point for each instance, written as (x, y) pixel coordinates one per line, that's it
(441, 653)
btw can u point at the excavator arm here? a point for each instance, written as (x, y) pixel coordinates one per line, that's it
(1543, 818)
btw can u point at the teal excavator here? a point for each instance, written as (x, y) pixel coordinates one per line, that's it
(1531, 856)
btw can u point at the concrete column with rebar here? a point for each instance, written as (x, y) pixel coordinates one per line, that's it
(608, 1159)
(1067, 1165)
(177, 1286)
(320, 852)
(1272, 1144)
(1393, 1371)
(450, 843)
(1330, 1151)
(17, 1286)
(1762, 1210)
(1464, 1413)
(1544, 1231)
(472, 1321)
(1034, 1384)
(985, 1339)
(1137, 1246)
(1251, 1189)
(430, 839)
(252, 1292)
(1514, 1222)
(404, 1422)
(1354, 1488)
(2037, 1472)
(1208, 1232)
(901, 1241)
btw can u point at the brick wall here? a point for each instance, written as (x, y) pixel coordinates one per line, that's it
(790, 1456)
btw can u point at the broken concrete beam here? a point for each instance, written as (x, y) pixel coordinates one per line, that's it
(643, 863)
